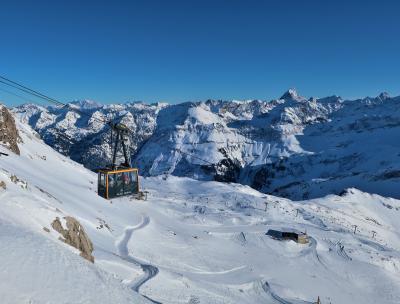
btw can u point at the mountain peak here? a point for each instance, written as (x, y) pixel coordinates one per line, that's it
(87, 104)
(384, 95)
(290, 94)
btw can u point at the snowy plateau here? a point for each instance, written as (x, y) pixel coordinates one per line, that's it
(219, 175)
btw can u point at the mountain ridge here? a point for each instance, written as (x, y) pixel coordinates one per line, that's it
(273, 146)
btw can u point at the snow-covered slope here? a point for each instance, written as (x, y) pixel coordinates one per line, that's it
(293, 147)
(38, 186)
(190, 242)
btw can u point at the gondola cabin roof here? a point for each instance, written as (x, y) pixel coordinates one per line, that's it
(118, 170)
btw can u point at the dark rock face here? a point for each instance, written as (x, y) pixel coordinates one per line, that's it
(9, 136)
(227, 170)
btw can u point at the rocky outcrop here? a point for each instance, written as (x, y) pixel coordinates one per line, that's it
(75, 236)
(9, 136)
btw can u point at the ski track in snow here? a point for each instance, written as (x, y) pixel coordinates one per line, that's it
(150, 271)
(267, 289)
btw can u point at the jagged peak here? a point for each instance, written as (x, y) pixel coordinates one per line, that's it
(329, 99)
(383, 96)
(86, 104)
(290, 94)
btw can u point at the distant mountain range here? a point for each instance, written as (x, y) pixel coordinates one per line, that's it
(292, 146)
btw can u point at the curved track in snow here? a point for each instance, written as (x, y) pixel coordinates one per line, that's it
(278, 299)
(312, 248)
(150, 271)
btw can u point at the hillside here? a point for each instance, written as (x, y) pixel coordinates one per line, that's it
(292, 147)
(190, 242)
(37, 187)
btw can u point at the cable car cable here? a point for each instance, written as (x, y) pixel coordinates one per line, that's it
(192, 155)
(16, 95)
(27, 90)
(31, 90)
(37, 94)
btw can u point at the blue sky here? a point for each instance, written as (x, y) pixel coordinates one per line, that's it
(174, 51)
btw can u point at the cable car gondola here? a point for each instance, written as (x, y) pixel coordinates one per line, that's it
(121, 179)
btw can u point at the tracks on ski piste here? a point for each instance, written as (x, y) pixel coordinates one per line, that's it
(149, 270)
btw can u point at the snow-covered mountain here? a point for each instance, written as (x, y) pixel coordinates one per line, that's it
(191, 241)
(84, 137)
(292, 146)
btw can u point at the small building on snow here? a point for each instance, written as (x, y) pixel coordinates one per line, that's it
(299, 237)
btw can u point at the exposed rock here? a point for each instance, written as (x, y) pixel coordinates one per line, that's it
(200, 209)
(3, 185)
(23, 184)
(9, 136)
(227, 170)
(75, 236)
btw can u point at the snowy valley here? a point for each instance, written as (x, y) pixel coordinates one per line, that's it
(196, 240)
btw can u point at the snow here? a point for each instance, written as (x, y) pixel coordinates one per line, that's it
(190, 242)
(86, 104)
(203, 115)
(36, 270)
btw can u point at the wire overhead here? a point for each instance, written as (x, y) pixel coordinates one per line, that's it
(16, 95)
(192, 155)
(28, 91)
(44, 97)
